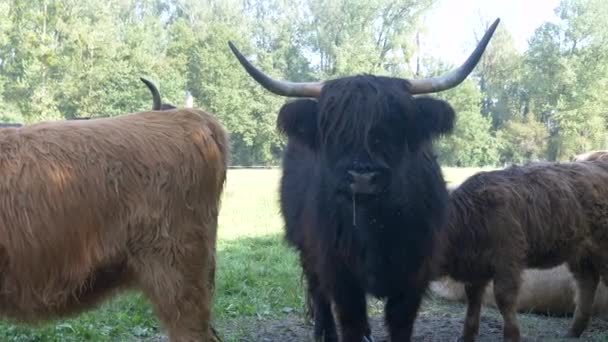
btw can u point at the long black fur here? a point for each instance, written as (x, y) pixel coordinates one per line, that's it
(364, 122)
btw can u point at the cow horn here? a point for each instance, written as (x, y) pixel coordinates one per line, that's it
(313, 89)
(284, 88)
(156, 103)
(456, 76)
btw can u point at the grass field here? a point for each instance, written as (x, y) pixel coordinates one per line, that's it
(258, 277)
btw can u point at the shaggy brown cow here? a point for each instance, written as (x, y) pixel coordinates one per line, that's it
(96, 206)
(533, 216)
(543, 291)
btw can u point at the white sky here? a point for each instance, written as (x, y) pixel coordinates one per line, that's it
(453, 23)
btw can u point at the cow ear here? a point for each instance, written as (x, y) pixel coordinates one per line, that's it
(298, 120)
(435, 117)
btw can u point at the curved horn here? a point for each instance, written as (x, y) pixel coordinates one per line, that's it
(156, 103)
(456, 76)
(284, 88)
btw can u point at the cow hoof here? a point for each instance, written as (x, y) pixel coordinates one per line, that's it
(571, 334)
(324, 338)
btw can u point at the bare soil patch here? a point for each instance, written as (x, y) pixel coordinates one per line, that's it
(437, 321)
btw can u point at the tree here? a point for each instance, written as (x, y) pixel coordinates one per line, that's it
(566, 72)
(522, 140)
(357, 36)
(65, 59)
(500, 74)
(471, 143)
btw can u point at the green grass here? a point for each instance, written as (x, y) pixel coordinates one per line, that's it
(257, 275)
(456, 175)
(125, 318)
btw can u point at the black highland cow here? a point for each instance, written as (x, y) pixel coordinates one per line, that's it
(362, 194)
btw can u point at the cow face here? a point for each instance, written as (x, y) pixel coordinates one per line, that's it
(365, 128)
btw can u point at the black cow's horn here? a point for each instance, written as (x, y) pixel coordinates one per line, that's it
(156, 103)
(428, 85)
(284, 88)
(456, 76)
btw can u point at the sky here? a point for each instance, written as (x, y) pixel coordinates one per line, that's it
(452, 24)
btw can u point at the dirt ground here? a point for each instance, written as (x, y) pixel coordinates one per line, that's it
(437, 321)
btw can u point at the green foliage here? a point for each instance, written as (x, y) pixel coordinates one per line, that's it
(548, 103)
(65, 59)
(522, 141)
(500, 75)
(566, 73)
(471, 143)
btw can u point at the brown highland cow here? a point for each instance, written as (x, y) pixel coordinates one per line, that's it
(543, 291)
(91, 207)
(538, 215)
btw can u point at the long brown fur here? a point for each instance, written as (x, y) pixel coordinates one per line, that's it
(543, 291)
(533, 216)
(92, 207)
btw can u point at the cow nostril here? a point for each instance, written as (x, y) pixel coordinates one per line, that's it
(363, 182)
(366, 177)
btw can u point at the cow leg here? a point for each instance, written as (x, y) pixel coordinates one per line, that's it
(474, 293)
(506, 288)
(587, 279)
(177, 281)
(401, 311)
(325, 328)
(324, 324)
(351, 309)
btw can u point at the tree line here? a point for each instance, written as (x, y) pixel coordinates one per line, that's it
(67, 58)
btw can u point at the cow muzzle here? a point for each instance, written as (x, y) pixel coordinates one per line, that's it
(365, 183)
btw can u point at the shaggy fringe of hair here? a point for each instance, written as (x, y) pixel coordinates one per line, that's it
(355, 104)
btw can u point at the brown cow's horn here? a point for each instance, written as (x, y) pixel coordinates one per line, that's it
(284, 88)
(456, 76)
(156, 103)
